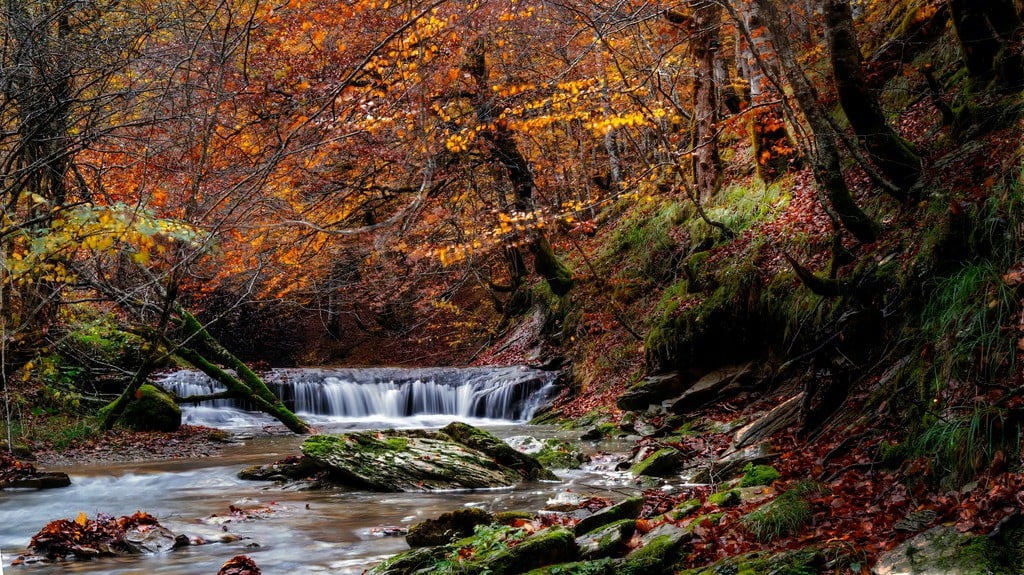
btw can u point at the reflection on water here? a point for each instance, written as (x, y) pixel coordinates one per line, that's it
(309, 531)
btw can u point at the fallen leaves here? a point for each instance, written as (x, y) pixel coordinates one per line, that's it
(86, 538)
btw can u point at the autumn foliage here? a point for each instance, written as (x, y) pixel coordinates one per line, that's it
(86, 538)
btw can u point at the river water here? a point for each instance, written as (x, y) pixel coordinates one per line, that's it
(333, 531)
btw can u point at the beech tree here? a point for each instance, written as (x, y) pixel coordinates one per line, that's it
(894, 156)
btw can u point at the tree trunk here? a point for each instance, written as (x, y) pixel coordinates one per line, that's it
(245, 383)
(505, 151)
(987, 32)
(705, 44)
(774, 149)
(827, 167)
(893, 155)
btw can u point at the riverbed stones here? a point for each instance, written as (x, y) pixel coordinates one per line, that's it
(652, 390)
(553, 453)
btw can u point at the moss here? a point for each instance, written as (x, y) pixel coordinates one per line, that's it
(784, 515)
(150, 410)
(509, 517)
(628, 509)
(662, 462)
(597, 567)
(729, 498)
(754, 475)
(683, 510)
(709, 518)
(548, 547)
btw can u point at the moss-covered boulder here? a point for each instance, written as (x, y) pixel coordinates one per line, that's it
(494, 447)
(456, 457)
(419, 559)
(942, 550)
(665, 461)
(548, 547)
(452, 525)
(628, 509)
(151, 410)
(608, 541)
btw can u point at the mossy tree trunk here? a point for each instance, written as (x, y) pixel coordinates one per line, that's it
(988, 32)
(244, 383)
(827, 167)
(893, 155)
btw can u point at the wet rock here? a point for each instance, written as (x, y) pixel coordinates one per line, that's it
(150, 539)
(592, 434)
(628, 509)
(652, 390)
(40, 480)
(665, 461)
(452, 525)
(607, 541)
(457, 457)
(709, 387)
(501, 452)
(552, 453)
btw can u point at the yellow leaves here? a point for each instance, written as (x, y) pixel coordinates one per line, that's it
(82, 519)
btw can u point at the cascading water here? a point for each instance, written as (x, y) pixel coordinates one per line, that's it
(389, 395)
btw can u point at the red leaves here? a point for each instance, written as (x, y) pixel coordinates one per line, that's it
(103, 536)
(11, 469)
(239, 565)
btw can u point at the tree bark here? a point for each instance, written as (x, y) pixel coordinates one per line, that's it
(774, 149)
(505, 151)
(893, 155)
(705, 44)
(245, 383)
(827, 167)
(987, 32)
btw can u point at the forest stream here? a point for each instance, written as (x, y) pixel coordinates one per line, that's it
(333, 531)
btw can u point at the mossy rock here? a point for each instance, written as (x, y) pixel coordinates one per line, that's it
(412, 561)
(596, 567)
(510, 517)
(683, 510)
(657, 556)
(547, 547)
(628, 509)
(665, 461)
(944, 550)
(730, 498)
(607, 541)
(501, 452)
(755, 475)
(150, 410)
(452, 525)
(806, 561)
(408, 460)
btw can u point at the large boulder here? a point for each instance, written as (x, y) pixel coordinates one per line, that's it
(654, 389)
(457, 457)
(151, 410)
(710, 387)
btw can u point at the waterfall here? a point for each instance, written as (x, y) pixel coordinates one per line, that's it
(510, 394)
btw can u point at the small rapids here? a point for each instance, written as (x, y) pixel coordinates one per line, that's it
(390, 397)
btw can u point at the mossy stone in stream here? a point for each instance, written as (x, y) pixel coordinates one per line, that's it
(598, 567)
(150, 410)
(414, 460)
(480, 440)
(452, 525)
(665, 461)
(755, 475)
